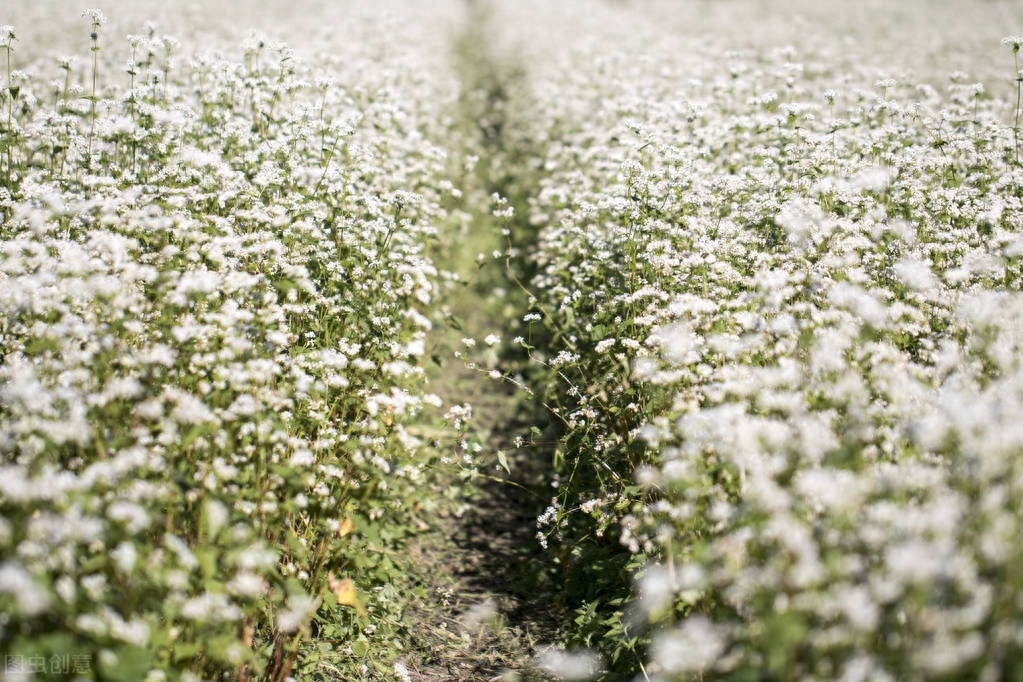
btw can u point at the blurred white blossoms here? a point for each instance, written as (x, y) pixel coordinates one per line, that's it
(691, 647)
(571, 666)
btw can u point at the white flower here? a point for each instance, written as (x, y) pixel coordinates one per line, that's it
(577, 665)
(125, 555)
(31, 599)
(95, 16)
(691, 647)
(247, 585)
(299, 609)
(916, 275)
(210, 607)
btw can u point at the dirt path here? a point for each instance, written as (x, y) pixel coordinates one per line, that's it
(489, 616)
(491, 613)
(480, 561)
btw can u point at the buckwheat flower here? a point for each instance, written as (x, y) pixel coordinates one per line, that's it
(124, 556)
(217, 515)
(134, 632)
(302, 457)
(678, 343)
(468, 342)
(66, 589)
(364, 364)
(31, 599)
(799, 217)
(182, 551)
(399, 368)
(1013, 41)
(257, 557)
(832, 489)
(95, 586)
(657, 587)
(247, 585)
(492, 339)
(691, 647)
(134, 517)
(864, 668)
(92, 624)
(210, 607)
(297, 612)
(861, 302)
(916, 561)
(191, 410)
(401, 672)
(95, 16)
(576, 666)
(859, 607)
(916, 274)
(416, 347)
(277, 338)
(871, 179)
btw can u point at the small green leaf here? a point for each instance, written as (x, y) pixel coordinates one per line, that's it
(502, 459)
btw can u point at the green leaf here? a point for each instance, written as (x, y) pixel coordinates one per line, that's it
(207, 557)
(183, 651)
(502, 459)
(132, 665)
(298, 550)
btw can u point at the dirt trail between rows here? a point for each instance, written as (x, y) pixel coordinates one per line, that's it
(492, 612)
(491, 615)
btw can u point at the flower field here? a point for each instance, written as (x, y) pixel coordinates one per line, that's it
(216, 291)
(753, 274)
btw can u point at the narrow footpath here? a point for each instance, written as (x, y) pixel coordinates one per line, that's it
(490, 615)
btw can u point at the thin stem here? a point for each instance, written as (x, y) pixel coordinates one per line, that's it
(1019, 102)
(132, 70)
(92, 109)
(10, 122)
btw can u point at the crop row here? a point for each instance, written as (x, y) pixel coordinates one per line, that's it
(214, 297)
(777, 318)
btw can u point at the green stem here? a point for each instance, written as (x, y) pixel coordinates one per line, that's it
(131, 105)
(10, 123)
(95, 77)
(1019, 104)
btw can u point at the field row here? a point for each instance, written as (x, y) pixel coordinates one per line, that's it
(778, 318)
(216, 294)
